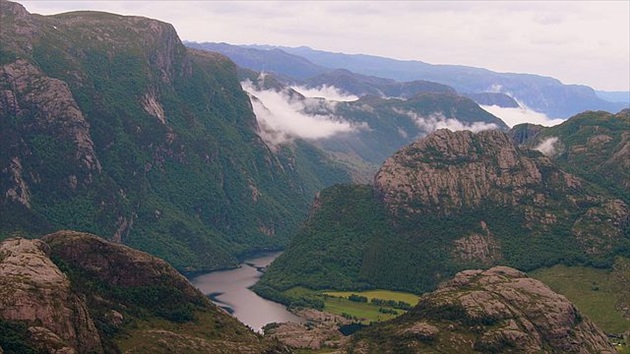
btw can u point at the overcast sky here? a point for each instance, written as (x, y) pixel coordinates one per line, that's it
(577, 42)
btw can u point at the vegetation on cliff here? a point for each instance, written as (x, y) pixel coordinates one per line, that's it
(111, 126)
(493, 311)
(448, 202)
(80, 293)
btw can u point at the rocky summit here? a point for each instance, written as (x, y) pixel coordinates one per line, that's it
(499, 310)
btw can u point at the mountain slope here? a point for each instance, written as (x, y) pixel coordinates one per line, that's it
(74, 292)
(273, 60)
(499, 310)
(375, 127)
(362, 85)
(592, 145)
(448, 202)
(110, 125)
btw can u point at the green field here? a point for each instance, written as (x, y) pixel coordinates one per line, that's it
(411, 299)
(596, 292)
(364, 312)
(337, 302)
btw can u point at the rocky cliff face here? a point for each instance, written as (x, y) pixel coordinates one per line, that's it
(452, 172)
(35, 291)
(493, 311)
(452, 201)
(110, 125)
(95, 293)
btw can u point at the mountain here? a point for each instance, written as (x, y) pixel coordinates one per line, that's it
(362, 85)
(615, 96)
(374, 127)
(447, 202)
(273, 60)
(393, 122)
(499, 310)
(592, 145)
(110, 125)
(73, 292)
(493, 99)
(542, 94)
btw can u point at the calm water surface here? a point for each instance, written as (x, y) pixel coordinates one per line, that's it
(230, 290)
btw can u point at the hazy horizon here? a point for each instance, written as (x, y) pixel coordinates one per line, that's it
(576, 42)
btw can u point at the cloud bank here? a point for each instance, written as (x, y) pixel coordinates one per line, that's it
(330, 93)
(514, 116)
(439, 121)
(282, 118)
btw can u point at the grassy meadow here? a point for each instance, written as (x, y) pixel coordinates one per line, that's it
(337, 302)
(598, 293)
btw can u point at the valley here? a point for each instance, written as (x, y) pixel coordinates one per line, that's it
(169, 196)
(229, 289)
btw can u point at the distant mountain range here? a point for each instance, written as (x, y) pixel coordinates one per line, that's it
(542, 94)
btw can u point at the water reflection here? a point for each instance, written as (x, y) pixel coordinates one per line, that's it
(230, 290)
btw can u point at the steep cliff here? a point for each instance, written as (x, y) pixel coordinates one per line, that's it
(499, 310)
(111, 126)
(74, 292)
(448, 202)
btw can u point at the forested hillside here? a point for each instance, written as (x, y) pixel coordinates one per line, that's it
(448, 202)
(111, 126)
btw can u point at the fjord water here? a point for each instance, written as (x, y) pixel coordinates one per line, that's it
(230, 290)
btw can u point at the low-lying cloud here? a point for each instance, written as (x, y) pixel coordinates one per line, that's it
(283, 118)
(548, 147)
(515, 116)
(439, 121)
(330, 93)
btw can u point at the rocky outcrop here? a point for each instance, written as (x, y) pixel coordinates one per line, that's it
(479, 248)
(103, 292)
(492, 311)
(33, 290)
(321, 330)
(19, 26)
(50, 105)
(449, 171)
(114, 264)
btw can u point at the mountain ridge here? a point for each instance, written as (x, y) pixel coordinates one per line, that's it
(540, 93)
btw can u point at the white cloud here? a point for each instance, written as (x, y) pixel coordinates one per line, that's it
(282, 119)
(439, 121)
(330, 93)
(548, 146)
(513, 116)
